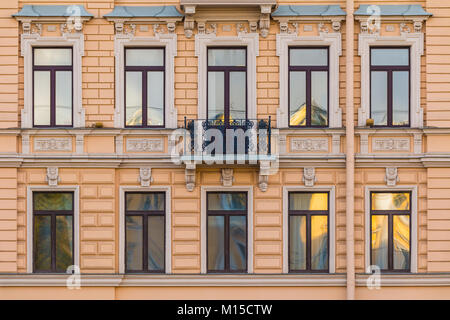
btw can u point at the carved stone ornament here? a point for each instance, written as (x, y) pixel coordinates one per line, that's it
(309, 176)
(145, 145)
(391, 176)
(190, 176)
(145, 176)
(227, 177)
(52, 144)
(52, 176)
(263, 180)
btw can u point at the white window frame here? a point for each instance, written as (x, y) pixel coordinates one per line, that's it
(413, 235)
(168, 224)
(74, 40)
(204, 223)
(413, 40)
(331, 220)
(205, 41)
(169, 42)
(76, 221)
(331, 40)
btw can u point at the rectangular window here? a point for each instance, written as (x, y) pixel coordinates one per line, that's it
(52, 231)
(390, 86)
(308, 87)
(227, 84)
(308, 232)
(144, 87)
(390, 231)
(52, 87)
(227, 232)
(145, 232)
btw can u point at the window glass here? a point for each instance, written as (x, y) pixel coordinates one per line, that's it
(226, 57)
(319, 98)
(63, 97)
(216, 242)
(144, 57)
(400, 103)
(390, 201)
(156, 246)
(134, 244)
(52, 56)
(51, 201)
(380, 241)
(379, 97)
(41, 94)
(297, 242)
(238, 243)
(308, 201)
(145, 201)
(390, 57)
(216, 95)
(155, 97)
(42, 243)
(227, 201)
(401, 242)
(64, 242)
(133, 103)
(297, 92)
(238, 96)
(319, 242)
(308, 57)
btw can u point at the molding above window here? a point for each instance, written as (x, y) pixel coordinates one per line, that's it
(74, 40)
(168, 223)
(76, 221)
(167, 40)
(414, 222)
(202, 42)
(413, 40)
(332, 223)
(331, 40)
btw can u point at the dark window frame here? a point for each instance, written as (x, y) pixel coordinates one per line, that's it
(226, 70)
(226, 214)
(308, 214)
(52, 69)
(390, 214)
(390, 96)
(144, 70)
(145, 214)
(53, 214)
(308, 70)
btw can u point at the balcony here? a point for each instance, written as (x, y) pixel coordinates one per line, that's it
(236, 140)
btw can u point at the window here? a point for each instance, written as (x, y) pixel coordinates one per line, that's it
(52, 231)
(227, 83)
(308, 87)
(227, 232)
(390, 230)
(145, 232)
(144, 87)
(52, 87)
(389, 86)
(308, 232)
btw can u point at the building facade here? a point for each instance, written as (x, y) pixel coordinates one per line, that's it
(225, 149)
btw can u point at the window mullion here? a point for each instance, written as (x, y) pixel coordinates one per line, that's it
(390, 242)
(145, 242)
(390, 99)
(308, 242)
(52, 97)
(144, 98)
(308, 98)
(53, 241)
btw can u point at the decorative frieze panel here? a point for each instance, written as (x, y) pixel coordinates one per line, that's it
(145, 145)
(52, 144)
(391, 144)
(309, 145)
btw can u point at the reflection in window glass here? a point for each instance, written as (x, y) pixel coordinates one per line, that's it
(156, 243)
(134, 245)
(216, 95)
(319, 98)
(379, 98)
(155, 97)
(226, 57)
(400, 103)
(216, 242)
(401, 242)
(41, 94)
(319, 242)
(52, 201)
(238, 95)
(390, 201)
(297, 242)
(42, 243)
(227, 201)
(145, 201)
(238, 243)
(390, 57)
(297, 92)
(380, 241)
(133, 103)
(63, 98)
(308, 201)
(64, 242)
(144, 57)
(308, 57)
(52, 56)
